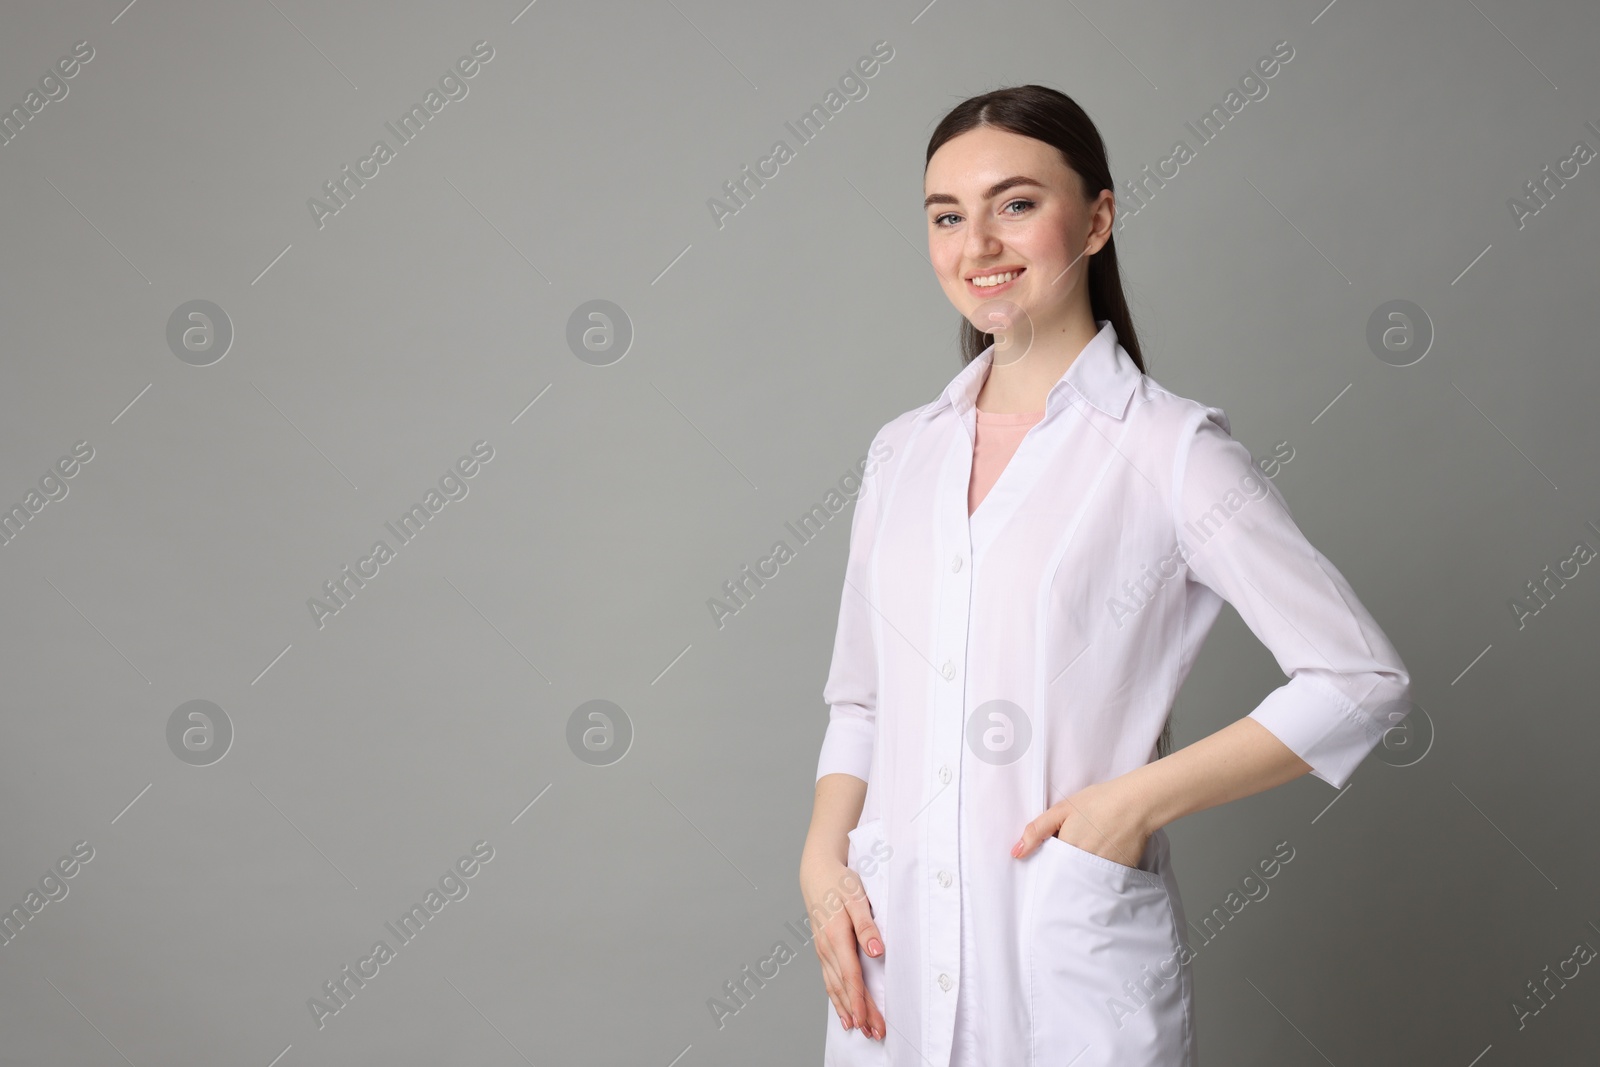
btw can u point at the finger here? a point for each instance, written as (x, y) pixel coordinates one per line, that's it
(1036, 831)
(875, 1027)
(867, 934)
(836, 997)
(837, 948)
(833, 978)
(849, 964)
(870, 940)
(830, 979)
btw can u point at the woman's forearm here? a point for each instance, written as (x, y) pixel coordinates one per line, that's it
(1241, 759)
(834, 814)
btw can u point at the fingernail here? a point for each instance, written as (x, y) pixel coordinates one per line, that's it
(874, 947)
(1016, 849)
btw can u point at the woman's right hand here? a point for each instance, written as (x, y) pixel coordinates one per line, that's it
(833, 890)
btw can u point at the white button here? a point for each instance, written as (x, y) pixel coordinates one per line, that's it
(944, 879)
(955, 564)
(949, 670)
(944, 982)
(944, 773)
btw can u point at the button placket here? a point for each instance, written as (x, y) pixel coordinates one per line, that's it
(943, 890)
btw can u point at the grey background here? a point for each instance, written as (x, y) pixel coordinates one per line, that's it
(433, 710)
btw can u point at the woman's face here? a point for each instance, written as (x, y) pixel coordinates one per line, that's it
(999, 202)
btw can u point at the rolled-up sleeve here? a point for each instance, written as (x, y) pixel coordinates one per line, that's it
(1347, 685)
(851, 690)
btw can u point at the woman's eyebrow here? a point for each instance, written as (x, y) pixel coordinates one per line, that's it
(989, 194)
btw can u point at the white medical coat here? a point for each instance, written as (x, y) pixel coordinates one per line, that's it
(986, 668)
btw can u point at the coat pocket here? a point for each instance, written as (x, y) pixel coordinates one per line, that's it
(1107, 983)
(868, 853)
(1142, 873)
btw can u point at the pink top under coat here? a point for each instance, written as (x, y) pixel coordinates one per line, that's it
(997, 438)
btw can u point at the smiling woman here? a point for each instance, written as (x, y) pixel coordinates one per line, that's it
(1031, 912)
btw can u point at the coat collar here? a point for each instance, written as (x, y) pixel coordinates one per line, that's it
(1103, 374)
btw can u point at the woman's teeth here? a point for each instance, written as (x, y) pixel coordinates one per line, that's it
(995, 279)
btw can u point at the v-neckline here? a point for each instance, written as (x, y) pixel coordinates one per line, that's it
(1020, 474)
(1001, 478)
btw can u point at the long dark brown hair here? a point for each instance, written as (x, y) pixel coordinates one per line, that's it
(1055, 118)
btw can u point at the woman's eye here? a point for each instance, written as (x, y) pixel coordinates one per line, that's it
(938, 220)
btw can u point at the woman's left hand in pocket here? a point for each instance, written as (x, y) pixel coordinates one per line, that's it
(1099, 818)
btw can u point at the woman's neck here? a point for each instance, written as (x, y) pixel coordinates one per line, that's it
(1016, 386)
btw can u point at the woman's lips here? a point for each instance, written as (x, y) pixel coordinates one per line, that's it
(991, 290)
